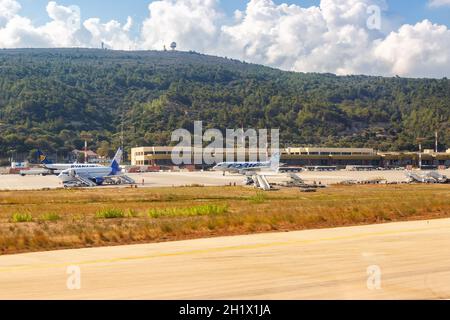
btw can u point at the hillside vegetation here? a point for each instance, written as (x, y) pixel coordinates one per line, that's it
(49, 96)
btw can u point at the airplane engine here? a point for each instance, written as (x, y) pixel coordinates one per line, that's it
(99, 181)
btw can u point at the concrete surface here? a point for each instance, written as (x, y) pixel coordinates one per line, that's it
(169, 179)
(17, 182)
(413, 258)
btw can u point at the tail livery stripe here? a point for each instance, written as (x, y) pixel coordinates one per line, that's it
(118, 156)
(115, 168)
(43, 158)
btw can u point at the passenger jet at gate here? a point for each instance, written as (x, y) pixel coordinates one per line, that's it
(249, 167)
(93, 175)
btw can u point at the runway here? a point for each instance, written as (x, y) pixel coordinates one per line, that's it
(408, 260)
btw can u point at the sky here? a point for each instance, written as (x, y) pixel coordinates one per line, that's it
(377, 37)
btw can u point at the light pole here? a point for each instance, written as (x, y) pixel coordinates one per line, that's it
(86, 137)
(420, 141)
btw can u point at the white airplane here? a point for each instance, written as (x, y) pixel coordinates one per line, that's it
(92, 175)
(249, 167)
(440, 178)
(57, 168)
(426, 177)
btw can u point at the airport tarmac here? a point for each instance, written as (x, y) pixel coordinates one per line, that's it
(148, 180)
(169, 179)
(408, 260)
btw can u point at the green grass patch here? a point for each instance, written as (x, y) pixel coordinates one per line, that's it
(259, 197)
(21, 217)
(50, 217)
(110, 214)
(203, 210)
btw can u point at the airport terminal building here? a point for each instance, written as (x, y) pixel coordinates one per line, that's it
(161, 158)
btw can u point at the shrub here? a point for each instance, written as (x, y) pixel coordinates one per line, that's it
(204, 210)
(110, 214)
(21, 217)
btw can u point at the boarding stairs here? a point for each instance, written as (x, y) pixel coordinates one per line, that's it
(296, 180)
(85, 181)
(261, 182)
(126, 179)
(117, 180)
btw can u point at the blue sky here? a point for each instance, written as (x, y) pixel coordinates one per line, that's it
(406, 11)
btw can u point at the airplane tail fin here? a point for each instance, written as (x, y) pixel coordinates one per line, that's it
(115, 165)
(43, 158)
(275, 161)
(118, 156)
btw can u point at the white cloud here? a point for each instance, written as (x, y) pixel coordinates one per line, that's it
(20, 32)
(332, 37)
(193, 24)
(439, 3)
(275, 35)
(8, 9)
(64, 30)
(127, 27)
(421, 50)
(111, 33)
(59, 32)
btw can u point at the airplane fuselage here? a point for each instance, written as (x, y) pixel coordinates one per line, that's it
(96, 174)
(67, 166)
(242, 166)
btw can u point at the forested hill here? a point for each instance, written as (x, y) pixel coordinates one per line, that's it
(49, 96)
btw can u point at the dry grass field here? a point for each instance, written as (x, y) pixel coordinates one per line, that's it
(61, 219)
